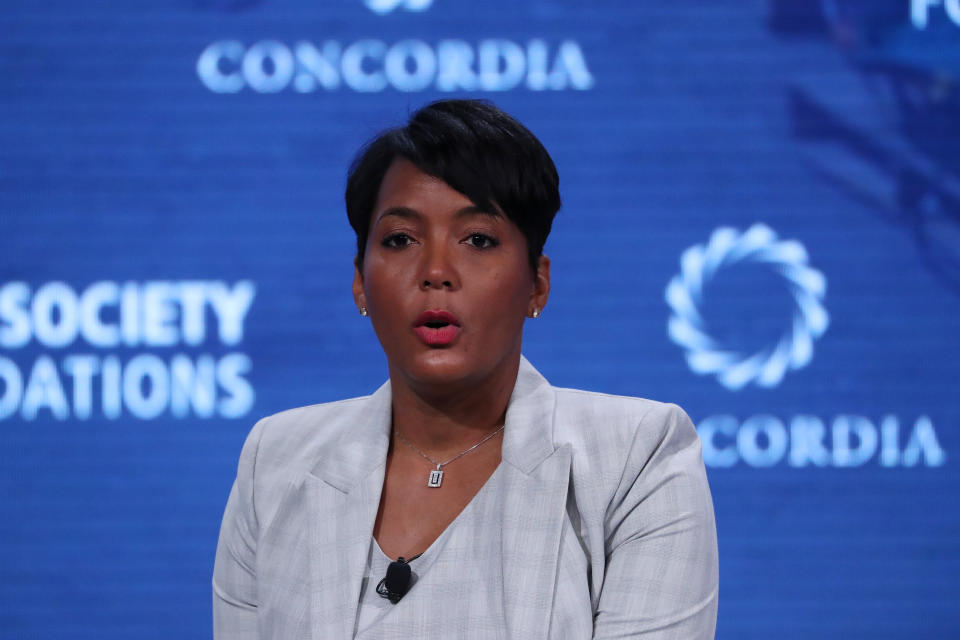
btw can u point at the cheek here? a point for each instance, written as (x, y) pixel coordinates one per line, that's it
(381, 290)
(383, 300)
(505, 298)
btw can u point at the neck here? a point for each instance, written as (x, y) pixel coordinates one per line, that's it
(443, 420)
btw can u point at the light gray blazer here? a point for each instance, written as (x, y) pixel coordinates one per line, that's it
(607, 525)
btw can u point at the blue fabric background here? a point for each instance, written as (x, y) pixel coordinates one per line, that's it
(833, 123)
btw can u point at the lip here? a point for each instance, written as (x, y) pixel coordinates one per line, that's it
(437, 336)
(436, 315)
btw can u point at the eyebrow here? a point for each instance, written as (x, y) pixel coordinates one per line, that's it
(409, 213)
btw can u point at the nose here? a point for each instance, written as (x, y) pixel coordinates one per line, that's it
(438, 271)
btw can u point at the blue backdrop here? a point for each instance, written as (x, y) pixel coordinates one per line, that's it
(760, 223)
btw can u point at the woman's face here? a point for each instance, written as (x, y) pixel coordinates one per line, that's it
(430, 249)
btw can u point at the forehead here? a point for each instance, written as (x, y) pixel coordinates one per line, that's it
(404, 185)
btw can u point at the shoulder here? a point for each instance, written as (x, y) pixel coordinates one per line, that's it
(613, 436)
(283, 447)
(628, 452)
(297, 426)
(287, 444)
(621, 419)
(296, 435)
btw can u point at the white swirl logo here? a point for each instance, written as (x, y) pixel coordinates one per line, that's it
(699, 265)
(384, 7)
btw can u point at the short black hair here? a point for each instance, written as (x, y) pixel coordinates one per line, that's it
(477, 149)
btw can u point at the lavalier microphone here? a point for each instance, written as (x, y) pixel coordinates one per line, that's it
(397, 581)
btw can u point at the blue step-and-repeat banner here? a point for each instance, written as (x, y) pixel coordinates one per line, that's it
(761, 223)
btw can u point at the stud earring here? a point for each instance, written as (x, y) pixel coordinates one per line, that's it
(535, 313)
(363, 311)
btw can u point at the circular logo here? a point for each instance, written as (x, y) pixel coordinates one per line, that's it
(384, 7)
(700, 264)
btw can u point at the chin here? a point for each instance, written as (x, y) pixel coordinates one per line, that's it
(439, 366)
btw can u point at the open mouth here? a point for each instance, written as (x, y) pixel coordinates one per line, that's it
(437, 328)
(436, 319)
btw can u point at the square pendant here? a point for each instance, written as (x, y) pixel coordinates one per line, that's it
(436, 477)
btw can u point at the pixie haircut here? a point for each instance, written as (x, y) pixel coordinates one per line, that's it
(476, 149)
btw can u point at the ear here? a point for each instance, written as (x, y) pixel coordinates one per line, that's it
(541, 285)
(359, 299)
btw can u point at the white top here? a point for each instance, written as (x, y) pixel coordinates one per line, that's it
(457, 564)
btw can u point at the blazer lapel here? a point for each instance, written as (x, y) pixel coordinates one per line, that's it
(343, 493)
(535, 497)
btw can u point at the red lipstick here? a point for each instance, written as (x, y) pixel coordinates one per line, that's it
(437, 328)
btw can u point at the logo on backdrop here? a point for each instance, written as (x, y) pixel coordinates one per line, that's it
(920, 11)
(803, 440)
(700, 264)
(372, 65)
(140, 349)
(386, 6)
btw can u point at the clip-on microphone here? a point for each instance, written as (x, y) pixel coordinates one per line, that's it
(397, 581)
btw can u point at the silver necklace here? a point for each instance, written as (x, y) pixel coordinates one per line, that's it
(436, 475)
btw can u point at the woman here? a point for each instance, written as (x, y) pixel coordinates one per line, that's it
(467, 497)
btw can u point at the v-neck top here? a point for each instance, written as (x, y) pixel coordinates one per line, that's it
(462, 565)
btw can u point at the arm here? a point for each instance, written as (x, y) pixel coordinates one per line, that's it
(234, 570)
(661, 544)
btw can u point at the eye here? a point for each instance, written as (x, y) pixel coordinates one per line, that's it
(396, 240)
(482, 241)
